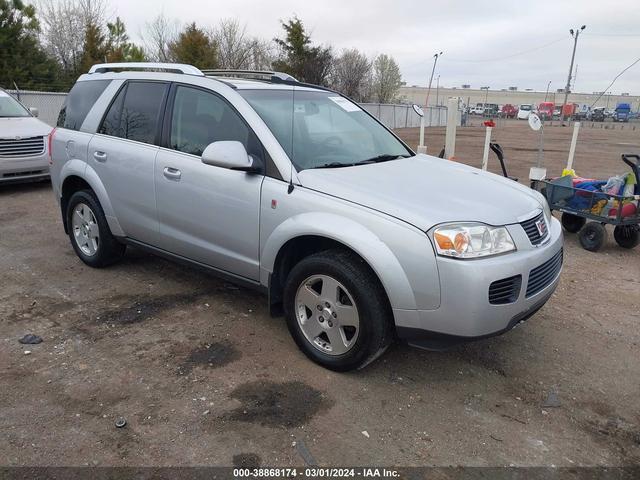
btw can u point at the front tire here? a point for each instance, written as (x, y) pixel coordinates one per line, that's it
(89, 232)
(337, 311)
(593, 236)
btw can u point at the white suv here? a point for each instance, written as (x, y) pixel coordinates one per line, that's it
(295, 190)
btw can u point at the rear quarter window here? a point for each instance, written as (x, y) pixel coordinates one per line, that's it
(81, 98)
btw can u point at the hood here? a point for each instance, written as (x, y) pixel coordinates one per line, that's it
(23, 127)
(425, 191)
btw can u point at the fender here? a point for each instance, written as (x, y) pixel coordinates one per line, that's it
(90, 176)
(353, 235)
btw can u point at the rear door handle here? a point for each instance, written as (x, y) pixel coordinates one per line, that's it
(100, 156)
(172, 173)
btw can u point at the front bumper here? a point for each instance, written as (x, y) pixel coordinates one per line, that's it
(465, 312)
(19, 169)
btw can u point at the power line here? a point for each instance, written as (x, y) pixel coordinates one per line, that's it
(614, 81)
(612, 34)
(523, 52)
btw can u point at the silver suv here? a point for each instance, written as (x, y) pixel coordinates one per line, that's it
(296, 190)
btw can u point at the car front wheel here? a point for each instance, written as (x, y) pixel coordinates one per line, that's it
(337, 311)
(89, 232)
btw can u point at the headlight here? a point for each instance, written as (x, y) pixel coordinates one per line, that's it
(472, 240)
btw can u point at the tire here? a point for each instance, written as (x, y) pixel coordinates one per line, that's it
(89, 232)
(358, 291)
(593, 236)
(572, 223)
(627, 236)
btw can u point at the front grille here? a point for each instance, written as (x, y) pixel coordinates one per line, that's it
(21, 148)
(540, 277)
(536, 229)
(505, 291)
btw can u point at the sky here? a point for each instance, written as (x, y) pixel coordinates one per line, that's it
(522, 43)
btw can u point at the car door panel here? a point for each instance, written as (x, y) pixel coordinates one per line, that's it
(209, 214)
(206, 213)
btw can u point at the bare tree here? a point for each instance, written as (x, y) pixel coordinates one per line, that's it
(64, 24)
(351, 74)
(236, 50)
(386, 79)
(158, 35)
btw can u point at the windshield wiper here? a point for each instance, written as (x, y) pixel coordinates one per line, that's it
(381, 158)
(335, 165)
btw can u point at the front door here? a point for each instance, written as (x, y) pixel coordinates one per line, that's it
(206, 213)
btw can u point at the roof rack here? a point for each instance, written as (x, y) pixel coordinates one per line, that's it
(166, 67)
(251, 74)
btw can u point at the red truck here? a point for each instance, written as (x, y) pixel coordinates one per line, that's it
(545, 110)
(509, 111)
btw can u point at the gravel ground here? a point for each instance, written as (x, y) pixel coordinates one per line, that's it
(203, 375)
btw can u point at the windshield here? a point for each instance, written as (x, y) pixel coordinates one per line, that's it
(525, 107)
(320, 129)
(9, 107)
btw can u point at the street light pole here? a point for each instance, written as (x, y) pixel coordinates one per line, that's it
(437, 89)
(435, 60)
(486, 95)
(575, 36)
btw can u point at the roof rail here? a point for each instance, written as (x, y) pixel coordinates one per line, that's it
(250, 74)
(168, 67)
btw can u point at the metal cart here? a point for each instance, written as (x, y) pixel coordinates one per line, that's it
(599, 208)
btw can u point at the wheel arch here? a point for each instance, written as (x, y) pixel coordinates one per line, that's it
(88, 179)
(305, 234)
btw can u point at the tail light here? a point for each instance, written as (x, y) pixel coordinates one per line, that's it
(50, 144)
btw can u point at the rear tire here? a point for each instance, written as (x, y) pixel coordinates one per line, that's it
(89, 231)
(593, 236)
(361, 328)
(627, 236)
(572, 223)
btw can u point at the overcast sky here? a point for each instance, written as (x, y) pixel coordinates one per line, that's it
(483, 41)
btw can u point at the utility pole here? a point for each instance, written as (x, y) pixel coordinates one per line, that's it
(435, 60)
(547, 92)
(486, 95)
(575, 34)
(437, 89)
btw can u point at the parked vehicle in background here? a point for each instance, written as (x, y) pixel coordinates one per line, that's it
(598, 115)
(491, 110)
(24, 154)
(568, 110)
(478, 109)
(557, 112)
(609, 113)
(545, 110)
(509, 111)
(524, 111)
(296, 191)
(622, 112)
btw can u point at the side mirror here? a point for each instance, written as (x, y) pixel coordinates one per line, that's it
(34, 111)
(229, 154)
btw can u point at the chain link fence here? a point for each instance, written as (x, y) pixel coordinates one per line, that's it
(392, 115)
(47, 103)
(403, 116)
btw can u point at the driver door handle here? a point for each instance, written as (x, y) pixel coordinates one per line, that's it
(100, 156)
(172, 173)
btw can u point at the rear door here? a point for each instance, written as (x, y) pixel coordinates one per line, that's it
(123, 154)
(207, 213)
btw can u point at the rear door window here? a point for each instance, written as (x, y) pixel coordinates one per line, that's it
(135, 112)
(79, 102)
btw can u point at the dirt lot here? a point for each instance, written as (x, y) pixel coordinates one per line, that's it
(204, 376)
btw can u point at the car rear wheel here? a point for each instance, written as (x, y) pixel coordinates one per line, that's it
(337, 311)
(89, 232)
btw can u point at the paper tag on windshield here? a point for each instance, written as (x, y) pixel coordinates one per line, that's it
(346, 105)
